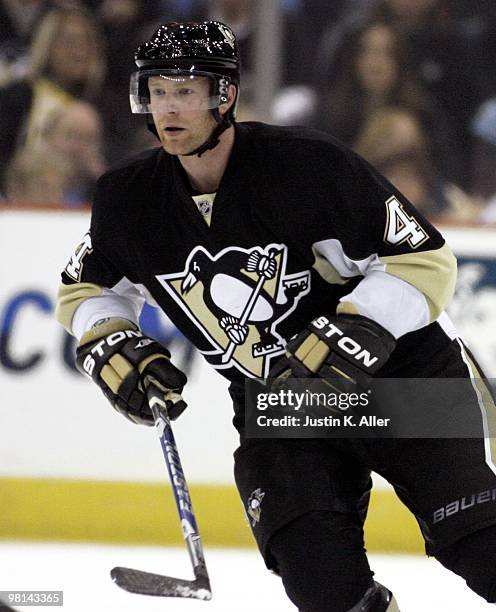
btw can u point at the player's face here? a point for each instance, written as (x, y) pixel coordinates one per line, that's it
(180, 109)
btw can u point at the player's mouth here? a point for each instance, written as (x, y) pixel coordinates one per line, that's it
(171, 129)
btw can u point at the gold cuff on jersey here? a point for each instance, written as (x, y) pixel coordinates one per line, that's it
(109, 327)
(347, 308)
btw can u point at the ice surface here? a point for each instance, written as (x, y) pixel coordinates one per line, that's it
(240, 582)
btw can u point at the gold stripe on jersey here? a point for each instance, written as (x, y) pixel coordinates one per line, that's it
(69, 297)
(105, 329)
(326, 270)
(431, 272)
(487, 407)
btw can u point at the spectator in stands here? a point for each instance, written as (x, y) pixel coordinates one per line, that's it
(439, 58)
(66, 63)
(33, 177)
(72, 141)
(431, 29)
(372, 74)
(394, 141)
(75, 133)
(374, 71)
(391, 131)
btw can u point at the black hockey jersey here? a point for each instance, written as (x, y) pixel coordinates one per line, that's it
(300, 226)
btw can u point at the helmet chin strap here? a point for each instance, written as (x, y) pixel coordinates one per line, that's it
(213, 140)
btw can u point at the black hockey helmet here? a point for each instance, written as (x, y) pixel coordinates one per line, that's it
(190, 50)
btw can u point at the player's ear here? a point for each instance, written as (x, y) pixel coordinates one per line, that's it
(231, 97)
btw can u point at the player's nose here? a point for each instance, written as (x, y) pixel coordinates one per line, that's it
(169, 106)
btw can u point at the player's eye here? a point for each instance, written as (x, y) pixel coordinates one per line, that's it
(157, 91)
(185, 91)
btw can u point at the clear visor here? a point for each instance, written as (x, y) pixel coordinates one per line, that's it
(156, 91)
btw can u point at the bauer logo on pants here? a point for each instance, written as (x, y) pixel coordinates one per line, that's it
(237, 299)
(254, 506)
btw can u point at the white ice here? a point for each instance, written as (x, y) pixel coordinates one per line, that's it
(239, 580)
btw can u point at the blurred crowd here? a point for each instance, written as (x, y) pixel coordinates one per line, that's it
(408, 84)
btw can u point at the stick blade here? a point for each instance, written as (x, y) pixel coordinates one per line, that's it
(146, 583)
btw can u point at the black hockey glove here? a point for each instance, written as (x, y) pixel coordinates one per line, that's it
(345, 350)
(121, 360)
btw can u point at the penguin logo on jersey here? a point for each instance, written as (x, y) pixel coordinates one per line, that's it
(237, 299)
(254, 506)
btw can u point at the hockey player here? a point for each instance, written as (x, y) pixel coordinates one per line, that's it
(248, 235)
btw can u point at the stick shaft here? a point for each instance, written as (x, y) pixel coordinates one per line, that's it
(178, 481)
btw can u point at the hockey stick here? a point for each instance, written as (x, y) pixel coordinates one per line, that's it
(146, 583)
